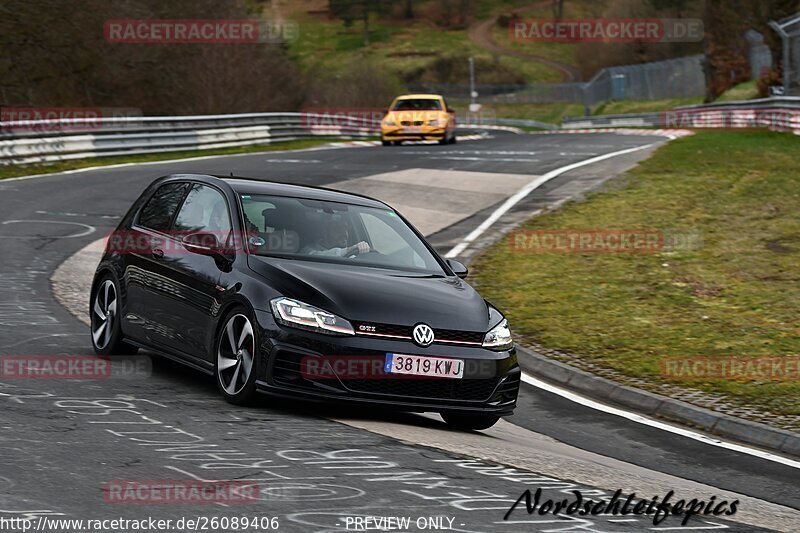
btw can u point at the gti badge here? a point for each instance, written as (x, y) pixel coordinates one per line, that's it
(423, 334)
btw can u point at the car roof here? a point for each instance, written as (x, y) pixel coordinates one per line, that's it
(244, 185)
(420, 96)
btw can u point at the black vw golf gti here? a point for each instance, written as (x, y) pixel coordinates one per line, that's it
(301, 292)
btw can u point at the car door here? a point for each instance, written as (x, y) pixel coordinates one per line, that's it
(192, 307)
(144, 281)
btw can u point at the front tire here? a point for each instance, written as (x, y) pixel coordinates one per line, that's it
(105, 311)
(237, 358)
(469, 422)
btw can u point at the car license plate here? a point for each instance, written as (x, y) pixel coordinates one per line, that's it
(412, 129)
(422, 365)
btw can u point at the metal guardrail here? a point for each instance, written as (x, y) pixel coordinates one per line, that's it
(780, 113)
(525, 123)
(41, 141)
(782, 101)
(615, 121)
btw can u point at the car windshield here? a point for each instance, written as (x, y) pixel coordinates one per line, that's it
(334, 232)
(418, 104)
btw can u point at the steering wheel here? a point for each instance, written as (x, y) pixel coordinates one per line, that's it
(356, 256)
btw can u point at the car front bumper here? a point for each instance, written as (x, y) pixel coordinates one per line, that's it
(489, 386)
(401, 134)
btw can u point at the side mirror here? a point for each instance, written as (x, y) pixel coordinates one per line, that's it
(202, 242)
(451, 110)
(459, 269)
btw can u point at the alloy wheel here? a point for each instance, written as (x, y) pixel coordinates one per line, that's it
(104, 312)
(235, 354)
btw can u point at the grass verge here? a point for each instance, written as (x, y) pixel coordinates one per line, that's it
(552, 113)
(13, 171)
(555, 113)
(402, 47)
(643, 106)
(737, 294)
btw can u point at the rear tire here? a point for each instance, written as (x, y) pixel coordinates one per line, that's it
(465, 422)
(236, 358)
(105, 311)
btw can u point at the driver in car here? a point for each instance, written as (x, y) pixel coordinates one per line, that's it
(333, 242)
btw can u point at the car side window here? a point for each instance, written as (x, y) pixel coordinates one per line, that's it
(204, 209)
(158, 212)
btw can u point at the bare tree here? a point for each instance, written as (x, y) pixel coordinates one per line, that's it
(77, 67)
(409, 14)
(352, 10)
(558, 8)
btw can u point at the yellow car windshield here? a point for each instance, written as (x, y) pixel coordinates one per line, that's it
(418, 104)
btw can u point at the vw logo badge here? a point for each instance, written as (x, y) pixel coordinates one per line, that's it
(423, 334)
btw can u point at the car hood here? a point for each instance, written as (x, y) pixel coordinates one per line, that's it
(424, 116)
(366, 294)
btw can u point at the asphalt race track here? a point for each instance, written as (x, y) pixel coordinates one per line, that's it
(318, 468)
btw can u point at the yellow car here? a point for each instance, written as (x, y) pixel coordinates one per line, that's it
(415, 117)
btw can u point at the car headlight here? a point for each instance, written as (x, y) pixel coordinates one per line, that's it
(389, 122)
(499, 338)
(435, 122)
(301, 315)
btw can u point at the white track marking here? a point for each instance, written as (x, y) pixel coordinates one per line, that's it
(529, 188)
(331, 146)
(499, 159)
(88, 231)
(293, 161)
(640, 419)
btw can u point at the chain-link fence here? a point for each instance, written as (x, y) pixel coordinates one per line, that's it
(789, 30)
(672, 78)
(758, 54)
